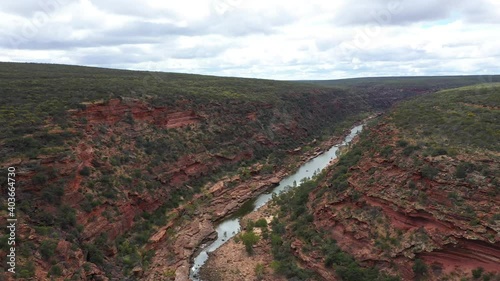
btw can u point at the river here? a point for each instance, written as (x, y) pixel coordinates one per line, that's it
(231, 226)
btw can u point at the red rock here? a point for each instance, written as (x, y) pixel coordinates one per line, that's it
(117, 110)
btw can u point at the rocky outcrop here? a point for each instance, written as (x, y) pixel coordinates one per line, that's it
(224, 200)
(129, 110)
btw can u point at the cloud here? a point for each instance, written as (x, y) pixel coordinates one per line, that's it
(403, 12)
(28, 8)
(292, 39)
(132, 8)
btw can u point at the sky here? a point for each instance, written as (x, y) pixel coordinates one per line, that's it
(282, 39)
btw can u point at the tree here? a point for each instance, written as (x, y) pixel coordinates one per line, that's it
(419, 268)
(249, 239)
(47, 249)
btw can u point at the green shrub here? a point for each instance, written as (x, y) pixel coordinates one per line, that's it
(463, 169)
(26, 248)
(66, 217)
(86, 205)
(267, 169)
(460, 172)
(129, 119)
(259, 271)
(55, 270)
(439, 151)
(476, 273)
(429, 172)
(419, 268)
(402, 143)
(249, 238)
(85, 171)
(53, 194)
(26, 271)
(407, 151)
(39, 179)
(488, 276)
(261, 223)
(412, 184)
(353, 272)
(94, 254)
(386, 151)
(28, 145)
(47, 249)
(250, 225)
(455, 198)
(101, 240)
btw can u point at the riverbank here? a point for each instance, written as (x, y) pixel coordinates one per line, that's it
(231, 262)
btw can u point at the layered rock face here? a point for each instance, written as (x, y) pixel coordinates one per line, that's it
(114, 110)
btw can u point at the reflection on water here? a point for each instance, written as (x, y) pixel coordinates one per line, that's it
(231, 226)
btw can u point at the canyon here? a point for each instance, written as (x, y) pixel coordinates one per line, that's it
(122, 182)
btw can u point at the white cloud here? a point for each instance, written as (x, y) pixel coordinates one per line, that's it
(268, 39)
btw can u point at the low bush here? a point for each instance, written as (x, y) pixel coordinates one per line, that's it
(429, 172)
(261, 223)
(39, 179)
(85, 171)
(249, 239)
(402, 143)
(94, 254)
(463, 169)
(419, 268)
(407, 151)
(47, 249)
(476, 273)
(259, 271)
(26, 271)
(53, 194)
(386, 151)
(439, 151)
(55, 270)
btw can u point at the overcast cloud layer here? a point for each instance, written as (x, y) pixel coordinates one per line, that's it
(260, 38)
